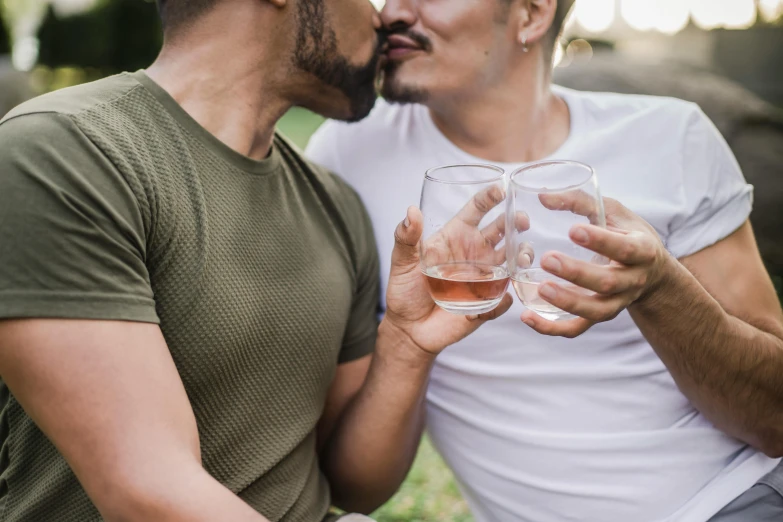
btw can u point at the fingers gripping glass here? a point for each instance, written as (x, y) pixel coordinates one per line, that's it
(547, 199)
(463, 253)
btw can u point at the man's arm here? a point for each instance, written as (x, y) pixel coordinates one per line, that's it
(375, 438)
(713, 318)
(717, 324)
(109, 397)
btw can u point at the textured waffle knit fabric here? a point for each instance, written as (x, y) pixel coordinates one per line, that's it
(263, 276)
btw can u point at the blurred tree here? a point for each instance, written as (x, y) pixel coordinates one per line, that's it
(5, 38)
(117, 35)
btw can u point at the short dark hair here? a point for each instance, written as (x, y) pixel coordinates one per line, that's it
(558, 24)
(175, 13)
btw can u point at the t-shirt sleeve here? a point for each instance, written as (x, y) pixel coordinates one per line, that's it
(72, 237)
(323, 147)
(716, 199)
(362, 330)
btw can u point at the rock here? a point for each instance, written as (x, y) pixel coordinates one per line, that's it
(752, 127)
(14, 86)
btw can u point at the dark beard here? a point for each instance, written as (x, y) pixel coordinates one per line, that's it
(391, 89)
(394, 92)
(316, 53)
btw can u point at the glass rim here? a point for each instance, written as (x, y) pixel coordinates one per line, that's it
(537, 164)
(501, 173)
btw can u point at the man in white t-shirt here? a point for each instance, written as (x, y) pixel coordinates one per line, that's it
(663, 401)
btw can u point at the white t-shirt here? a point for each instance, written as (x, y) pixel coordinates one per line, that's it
(593, 429)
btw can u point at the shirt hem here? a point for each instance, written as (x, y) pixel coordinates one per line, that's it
(64, 305)
(358, 349)
(719, 496)
(730, 218)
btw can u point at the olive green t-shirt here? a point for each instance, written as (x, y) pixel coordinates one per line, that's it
(263, 275)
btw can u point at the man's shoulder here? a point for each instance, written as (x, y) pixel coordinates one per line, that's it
(608, 108)
(73, 101)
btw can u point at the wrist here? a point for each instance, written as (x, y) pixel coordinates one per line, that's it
(396, 346)
(664, 282)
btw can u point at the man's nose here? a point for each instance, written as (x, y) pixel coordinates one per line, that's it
(398, 12)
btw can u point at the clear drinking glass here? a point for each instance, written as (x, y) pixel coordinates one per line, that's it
(462, 249)
(554, 196)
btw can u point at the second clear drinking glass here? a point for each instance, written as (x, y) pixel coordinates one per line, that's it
(462, 249)
(555, 196)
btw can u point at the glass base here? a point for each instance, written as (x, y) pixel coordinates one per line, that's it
(469, 307)
(550, 312)
(549, 315)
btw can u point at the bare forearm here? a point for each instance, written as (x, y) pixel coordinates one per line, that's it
(375, 442)
(182, 495)
(730, 370)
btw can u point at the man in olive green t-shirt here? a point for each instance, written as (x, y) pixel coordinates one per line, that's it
(188, 321)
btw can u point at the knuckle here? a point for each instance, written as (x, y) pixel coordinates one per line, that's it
(398, 238)
(607, 284)
(628, 251)
(596, 315)
(650, 252)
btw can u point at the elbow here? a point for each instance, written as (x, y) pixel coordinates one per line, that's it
(771, 442)
(363, 503)
(773, 450)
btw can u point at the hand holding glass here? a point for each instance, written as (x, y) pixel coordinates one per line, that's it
(462, 253)
(555, 196)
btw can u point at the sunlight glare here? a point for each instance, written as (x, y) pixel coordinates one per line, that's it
(771, 10)
(595, 15)
(670, 16)
(734, 14)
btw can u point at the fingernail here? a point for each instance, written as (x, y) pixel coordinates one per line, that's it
(406, 222)
(552, 264)
(527, 260)
(528, 322)
(547, 291)
(579, 235)
(471, 317)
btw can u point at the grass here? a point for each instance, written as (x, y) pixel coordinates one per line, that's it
(298, 125)
(429, 494)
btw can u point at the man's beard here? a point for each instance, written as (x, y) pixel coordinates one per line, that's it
(396, 92)
(391, 88)
(316, 53)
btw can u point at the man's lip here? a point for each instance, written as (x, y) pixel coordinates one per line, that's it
(398, 41)
(399, 53)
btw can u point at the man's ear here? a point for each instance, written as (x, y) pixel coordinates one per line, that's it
(535, 22)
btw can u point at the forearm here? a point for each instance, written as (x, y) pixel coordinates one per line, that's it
(188, 494)
(375, 441)
(729, 369)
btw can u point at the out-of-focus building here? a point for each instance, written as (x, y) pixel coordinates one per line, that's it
(739, 39)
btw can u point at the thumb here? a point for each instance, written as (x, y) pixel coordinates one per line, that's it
(405, 256)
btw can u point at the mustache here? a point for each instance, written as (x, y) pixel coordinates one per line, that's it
(421, 40)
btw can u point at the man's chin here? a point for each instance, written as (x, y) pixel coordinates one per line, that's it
(396, 92)
(362, 107)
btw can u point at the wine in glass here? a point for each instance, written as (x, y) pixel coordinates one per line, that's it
(555, 196)
(462, 247)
